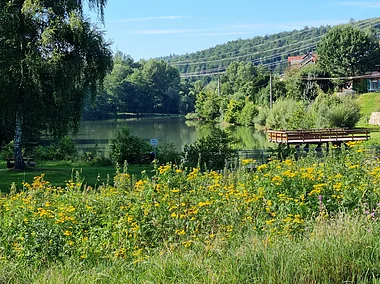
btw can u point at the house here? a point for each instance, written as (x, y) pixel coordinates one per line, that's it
(373, 82)
(370, 81)
(295, 60)
(302, 60)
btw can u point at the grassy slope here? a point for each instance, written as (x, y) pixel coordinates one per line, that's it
(59, 173)
(370, 102)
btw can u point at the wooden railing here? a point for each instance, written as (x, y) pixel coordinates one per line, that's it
(316, 136)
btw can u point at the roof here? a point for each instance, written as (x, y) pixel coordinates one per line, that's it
(295, 58)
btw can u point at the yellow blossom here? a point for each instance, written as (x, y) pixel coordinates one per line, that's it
(180, 232)
(67, 233)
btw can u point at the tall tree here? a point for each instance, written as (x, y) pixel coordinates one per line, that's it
(51, 58)
(348, 51)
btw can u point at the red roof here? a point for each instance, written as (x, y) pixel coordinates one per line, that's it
(294, 58)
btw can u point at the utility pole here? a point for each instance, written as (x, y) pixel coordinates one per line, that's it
(270, 88)
(218, 85)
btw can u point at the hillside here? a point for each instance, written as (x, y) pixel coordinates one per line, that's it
(270, 50)
(369, 102)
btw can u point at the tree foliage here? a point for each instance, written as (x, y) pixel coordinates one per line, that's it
(150, 86)
(210, 152)
(348, 51)
(130, 148)
(51, 57)
(303, 83)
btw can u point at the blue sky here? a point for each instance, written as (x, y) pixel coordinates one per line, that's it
(151, 28)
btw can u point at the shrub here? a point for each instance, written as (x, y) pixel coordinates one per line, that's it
(287, 114)
(191, 116)
(96, 157)
(361, 87)
(262, 116)
(234, 107)
(207, 105)
(63, 150)
(345, 114)
(130, 148)
(167, 153)
(7, 150)
(333, 111)
(248, 114)
(211, 152)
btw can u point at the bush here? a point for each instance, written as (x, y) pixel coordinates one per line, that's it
(96, 157)
(167, 153)
(191, 116)
(211, 152)
(262, 116)
(248, 114)
(130, 148)
(63, 150)
(333, 111)
(287, 114)
(7, 151)
(345, 114)
(234, 107)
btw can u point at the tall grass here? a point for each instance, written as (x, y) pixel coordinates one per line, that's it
(344, 249)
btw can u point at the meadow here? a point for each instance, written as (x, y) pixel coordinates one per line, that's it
(58, 173)
(311, 220)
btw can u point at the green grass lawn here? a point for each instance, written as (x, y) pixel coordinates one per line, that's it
(369, 102)
(58, 173)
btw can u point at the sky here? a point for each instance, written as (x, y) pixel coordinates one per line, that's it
(147, 29)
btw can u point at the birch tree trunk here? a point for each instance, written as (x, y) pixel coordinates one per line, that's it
(19, 161)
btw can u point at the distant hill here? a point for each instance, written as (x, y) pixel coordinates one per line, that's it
(270, 50)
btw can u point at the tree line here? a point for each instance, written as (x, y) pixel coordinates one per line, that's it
(151, 86)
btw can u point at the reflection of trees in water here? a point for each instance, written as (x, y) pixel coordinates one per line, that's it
(245, 138)
(174, 130)
(248, 138)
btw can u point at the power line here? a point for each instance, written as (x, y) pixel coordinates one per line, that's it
(220, 70)
(282, 38)
(368, 76)
(360, 25)
(241, 50)
(246, 55)
(215, 71)
(259, 60)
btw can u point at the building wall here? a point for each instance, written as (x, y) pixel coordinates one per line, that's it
(373, 85)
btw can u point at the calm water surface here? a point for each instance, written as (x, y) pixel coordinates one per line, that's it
(174, 130)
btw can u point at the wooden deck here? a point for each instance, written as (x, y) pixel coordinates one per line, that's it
(317, 136)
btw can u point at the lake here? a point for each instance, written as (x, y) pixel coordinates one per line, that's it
(166, 129)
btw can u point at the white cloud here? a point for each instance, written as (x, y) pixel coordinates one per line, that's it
(285, 26)
(147, 19)
(361, 4)
(164, 31)
(220, 33)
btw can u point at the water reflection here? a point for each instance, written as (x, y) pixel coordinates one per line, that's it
(174, 130)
